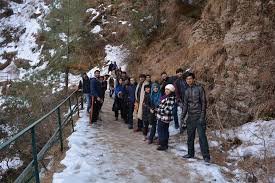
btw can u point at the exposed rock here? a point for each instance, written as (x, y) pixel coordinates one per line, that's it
(231, 48)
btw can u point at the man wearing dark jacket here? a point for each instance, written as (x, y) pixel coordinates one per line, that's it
(131, 100)
(180, 87)
(95, 93)
(194, 103)
(165, 80)
(85, 86)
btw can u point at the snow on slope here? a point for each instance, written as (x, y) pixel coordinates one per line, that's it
(27, 29)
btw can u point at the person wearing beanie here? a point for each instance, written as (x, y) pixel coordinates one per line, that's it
(146, 111)
(194, 104)
(165, 116)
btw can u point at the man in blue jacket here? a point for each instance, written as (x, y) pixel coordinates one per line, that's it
(131, 99)
(95, 100)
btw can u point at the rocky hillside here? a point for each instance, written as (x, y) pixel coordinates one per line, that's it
(229, 45)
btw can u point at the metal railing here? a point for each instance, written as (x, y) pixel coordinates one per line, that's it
(58, 134)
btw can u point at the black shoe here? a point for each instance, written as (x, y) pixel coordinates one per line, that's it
(150, 141)
(116, 118)
(161, 148)
(187, 156)
(207, 160)
(130, 127)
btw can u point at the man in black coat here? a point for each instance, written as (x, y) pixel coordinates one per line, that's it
(86, 87)
(195, 104)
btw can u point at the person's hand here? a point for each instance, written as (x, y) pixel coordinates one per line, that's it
(98, 98)
(152, 111)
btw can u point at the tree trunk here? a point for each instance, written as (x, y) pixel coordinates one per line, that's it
(4, 65)
(66, 79)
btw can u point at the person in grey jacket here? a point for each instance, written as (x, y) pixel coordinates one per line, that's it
(195, 104)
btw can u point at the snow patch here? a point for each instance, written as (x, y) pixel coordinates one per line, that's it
(25, 30)
(122, 22)
(10, 163)
(96, 29)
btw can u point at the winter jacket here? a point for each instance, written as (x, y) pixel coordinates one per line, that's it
(95, 87)
(155, 96)
(111, 82)
(119, 88)
(180, 86)
(146, 106)
(195, 101)
(86, 85)
(165, 109)
(138, 91)
(141, 98)
(104, 85)
(131, 93)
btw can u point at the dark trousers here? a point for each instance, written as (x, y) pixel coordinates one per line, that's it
(145, 127)
(140, 124)
(95, 107)
(194, 123)
(130, 115)
(153, 128)
(175, 115)
(163, 133)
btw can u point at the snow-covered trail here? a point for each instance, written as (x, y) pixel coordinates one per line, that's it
(109, 152)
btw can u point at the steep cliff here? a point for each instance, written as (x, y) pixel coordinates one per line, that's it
(230, 45)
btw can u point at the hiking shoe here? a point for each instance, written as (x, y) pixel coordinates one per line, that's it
(137, 130)
(207, 160)
(161, 148)
(187, 156)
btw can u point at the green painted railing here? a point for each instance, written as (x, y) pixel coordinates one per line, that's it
(28, 172)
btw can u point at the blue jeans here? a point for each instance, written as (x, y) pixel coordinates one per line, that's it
(86, 97)
(175, 115)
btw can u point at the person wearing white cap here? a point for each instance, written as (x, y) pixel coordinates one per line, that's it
(165, 116)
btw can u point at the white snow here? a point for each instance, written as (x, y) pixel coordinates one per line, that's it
(2, 39)
(96, 29)
(122, 22)
(10, 163)
(63, 37)
(81, 159)
(52, 52)
(93, 12)
(116, 54)
(257, 139)
(26, 30)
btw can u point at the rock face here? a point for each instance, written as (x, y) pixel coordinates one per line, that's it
(231, 49)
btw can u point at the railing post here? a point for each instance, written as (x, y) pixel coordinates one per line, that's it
(60, 129)
(77, 103)
(71, 113)
(34, 156)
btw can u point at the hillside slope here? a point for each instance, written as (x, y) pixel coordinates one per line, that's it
(230, 47)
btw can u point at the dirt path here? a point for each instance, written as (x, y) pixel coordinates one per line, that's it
(109, 152)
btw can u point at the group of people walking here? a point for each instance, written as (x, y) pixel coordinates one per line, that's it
(156, 105)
